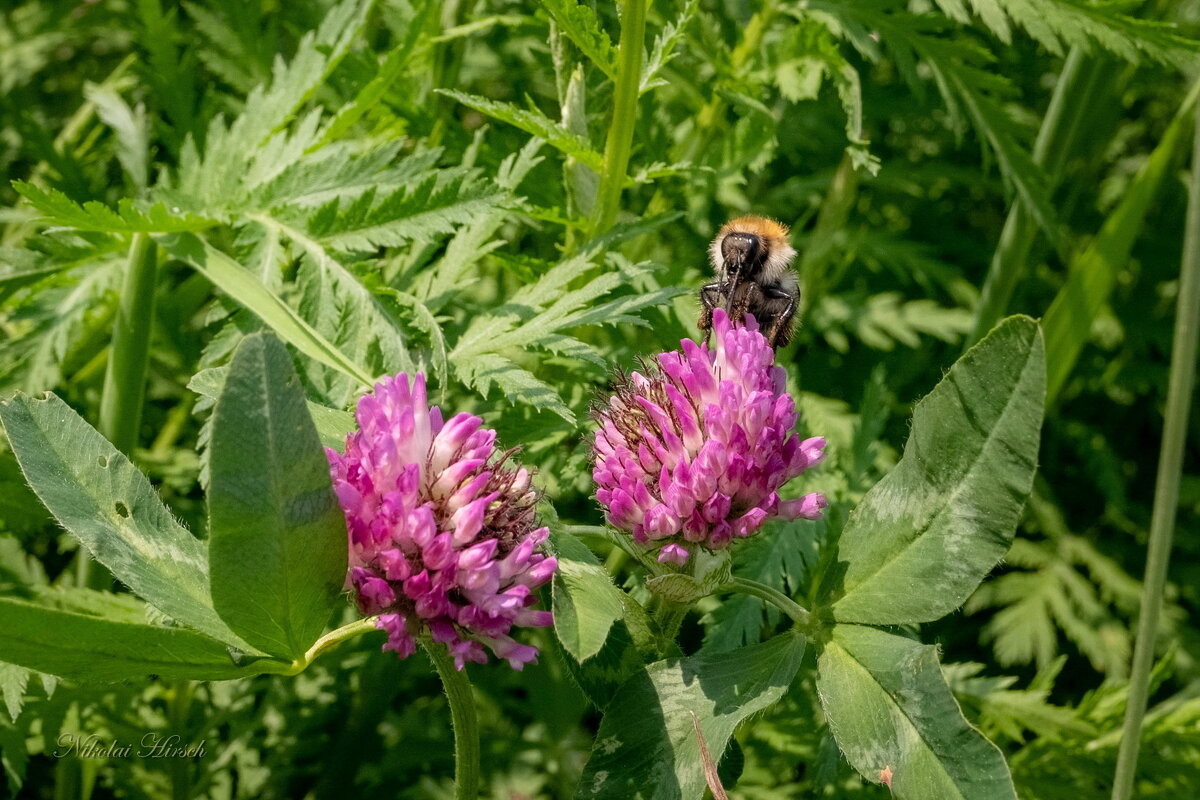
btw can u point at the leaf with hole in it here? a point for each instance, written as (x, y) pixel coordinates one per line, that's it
(277, 538)
(647, 745)
(925, 536)
(586, 602)
(894, 717)
(91, 648)
(99, 496)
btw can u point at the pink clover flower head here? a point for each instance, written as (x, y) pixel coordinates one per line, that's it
(441, 527)
(693, 450)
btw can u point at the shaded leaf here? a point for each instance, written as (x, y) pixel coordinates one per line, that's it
(647, 746)
(277, 538)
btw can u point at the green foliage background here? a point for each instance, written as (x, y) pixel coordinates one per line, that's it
(439, 186)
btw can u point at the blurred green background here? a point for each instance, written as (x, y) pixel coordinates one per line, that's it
(941, 164)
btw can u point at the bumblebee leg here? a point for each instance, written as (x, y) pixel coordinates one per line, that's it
(710, 297)
(747, 297)
(779, 332)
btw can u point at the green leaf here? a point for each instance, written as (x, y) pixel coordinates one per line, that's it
(892, 713)
(647, 747)
(925, 536)
(277, 538)
(534, 123)
(420, 210)
(131, 129)
(586, 602)
(94, 492)
(1094, 271)
(240, 284)
(95, 216)
(333, 425)
(480, 372)
(13, 680)
(22, 266)
(91, 648)
(1090, 26)
(676, 587)
(579, 23)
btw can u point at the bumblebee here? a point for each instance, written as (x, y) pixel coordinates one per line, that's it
(753, 261)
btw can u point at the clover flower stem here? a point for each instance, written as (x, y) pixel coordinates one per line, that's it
(326, 642)
(1166, 489)
(178, 707)
(462, 717)
(787, 605)
(669, 617)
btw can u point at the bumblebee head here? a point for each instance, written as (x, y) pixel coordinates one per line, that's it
(753, 247)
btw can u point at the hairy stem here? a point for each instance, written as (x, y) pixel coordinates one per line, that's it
(1166, 489)
(462, 716)
(787, 605)
(619, 142)
(326, 642)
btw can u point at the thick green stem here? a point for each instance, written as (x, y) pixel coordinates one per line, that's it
(1166, 490)
(1083, 81)
(178, 706)
(125, 378)
(619, 143)
(125, 375)
(462, 715)
(787, 605)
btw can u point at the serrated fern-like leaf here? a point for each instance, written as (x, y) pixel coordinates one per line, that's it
(473, 241)
(338, 306)
(256, 138)
(432, 207)
(664, 46)
(534, 123)
(519, 384)
(58, 209)
(55, 320)
(1058, 24)
(969, 89)
(776, 559)
(579, 22)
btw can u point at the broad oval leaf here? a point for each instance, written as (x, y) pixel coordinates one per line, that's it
(895, 719)
(925, 536)
(277, 539)
(89, 648)
(586, 602)
(647, 745)
(94, 492)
